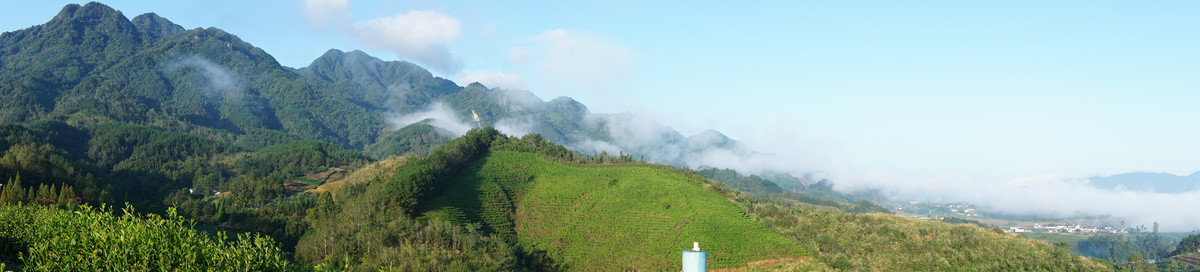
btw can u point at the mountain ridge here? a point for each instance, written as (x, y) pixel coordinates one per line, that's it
(209, 82)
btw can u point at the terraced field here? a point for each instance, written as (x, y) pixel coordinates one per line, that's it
(605, 218)
(334, 181)
(1190, 261)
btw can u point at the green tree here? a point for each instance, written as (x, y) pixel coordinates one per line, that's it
(46, 194)
(31, 195)
(1189, 244)
(1138, 263)
(66, 195)
(12, 192)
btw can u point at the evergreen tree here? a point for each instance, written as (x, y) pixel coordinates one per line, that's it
(1189, 244)
(46, 194)
(4, 192)
(66, 195)
(17, 192)
(12, 193)
(30, 195)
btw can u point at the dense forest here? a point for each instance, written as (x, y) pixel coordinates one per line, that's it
(1144, 250)
(225, 160)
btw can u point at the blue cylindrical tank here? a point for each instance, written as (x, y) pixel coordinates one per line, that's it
(695, 260)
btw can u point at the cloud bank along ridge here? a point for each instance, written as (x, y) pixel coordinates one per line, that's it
(641, 135)
(629, 133)
(437, 114)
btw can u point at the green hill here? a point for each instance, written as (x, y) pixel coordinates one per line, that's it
(605, 218)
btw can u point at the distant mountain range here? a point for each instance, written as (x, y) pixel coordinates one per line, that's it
(1149, 182)
(90, 64)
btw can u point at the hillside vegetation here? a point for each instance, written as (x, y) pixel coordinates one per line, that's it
(87, 239)
(490, 202)
(605, 218)
(881, 242)
(1182, 262)
(525, 204)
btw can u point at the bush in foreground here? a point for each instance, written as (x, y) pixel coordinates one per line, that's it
(92, 239)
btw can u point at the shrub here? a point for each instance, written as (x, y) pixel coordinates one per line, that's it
(92, 239)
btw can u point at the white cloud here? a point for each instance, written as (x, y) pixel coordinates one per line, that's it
(422, 35)
(439, 115)
(595, 147)
(1053, 196)
(635, 130)
(493, 79)
(514, 127)
(326, 13)
(222, 84)
(582, 60)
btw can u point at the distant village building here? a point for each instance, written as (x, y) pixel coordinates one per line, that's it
(1078, 228)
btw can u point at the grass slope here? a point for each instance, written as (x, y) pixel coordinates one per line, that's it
(605, 218)
(373, 171)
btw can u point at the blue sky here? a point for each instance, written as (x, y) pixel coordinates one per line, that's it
(989, 92)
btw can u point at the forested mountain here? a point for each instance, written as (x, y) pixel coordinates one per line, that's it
(90, 65)
(355, 163)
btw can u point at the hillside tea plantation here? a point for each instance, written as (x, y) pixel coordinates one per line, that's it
(37, 238)
(605, 218)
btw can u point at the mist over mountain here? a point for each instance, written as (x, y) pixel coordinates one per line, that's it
(91, 64)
